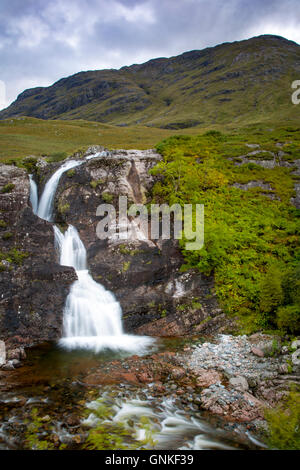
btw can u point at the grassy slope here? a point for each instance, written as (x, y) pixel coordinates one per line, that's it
(251, 242)
(21, 137)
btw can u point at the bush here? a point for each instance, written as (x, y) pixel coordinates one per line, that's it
(271, 294)
(7, 236)
(7, 188)
(288, 319)
(29, 163)
(283, 422)
(107, 197)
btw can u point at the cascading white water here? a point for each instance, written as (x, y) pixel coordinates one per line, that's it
(92, 315)
(45, 208)
(33, 194)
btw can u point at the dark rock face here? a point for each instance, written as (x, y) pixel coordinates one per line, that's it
(156, 298)
(33, 285)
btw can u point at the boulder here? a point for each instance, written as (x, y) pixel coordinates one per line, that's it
(239, 383)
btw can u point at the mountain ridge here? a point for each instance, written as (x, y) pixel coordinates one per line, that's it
(196, 88)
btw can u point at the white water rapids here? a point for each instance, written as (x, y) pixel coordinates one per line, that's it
(92, 315)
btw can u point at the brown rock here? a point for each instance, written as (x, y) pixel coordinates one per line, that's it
(208, 377)
(258, 352)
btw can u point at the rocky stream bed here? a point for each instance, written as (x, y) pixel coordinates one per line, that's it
(197, 393)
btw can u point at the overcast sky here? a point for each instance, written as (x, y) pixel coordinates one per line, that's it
(42, 41)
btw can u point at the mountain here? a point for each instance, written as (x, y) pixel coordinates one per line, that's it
(240, 82)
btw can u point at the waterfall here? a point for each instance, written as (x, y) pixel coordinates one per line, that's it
(92, 315)
(33, 194)
(45, 208)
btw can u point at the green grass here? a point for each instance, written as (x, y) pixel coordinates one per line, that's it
(23, 137)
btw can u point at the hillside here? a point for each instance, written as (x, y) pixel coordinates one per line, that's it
(240, 83)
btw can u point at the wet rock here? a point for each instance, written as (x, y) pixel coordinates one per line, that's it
(8, 366)
(17, 353)
(178, 373)
(34, 287)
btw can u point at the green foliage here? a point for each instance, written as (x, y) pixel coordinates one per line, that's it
(94, 184)
(29, 163)
(251, 242)
(271, 294)
(3, 224)
(111, 435)
(63, 208)
(7, 236)
(14, 256)
(71, 173)
(283, 422)
(126, 266)
(7, 188)
(107, 197)
(288, 318)
(57, 157)
(128, 250)
(34, 432)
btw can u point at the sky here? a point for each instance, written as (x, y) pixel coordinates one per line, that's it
(42, 41)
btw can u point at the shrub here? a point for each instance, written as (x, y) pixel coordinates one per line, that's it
(283, 422)
(7, 236)
(288, 318)
(71, 173)
(63, 208)
(29, 163)
(271, 294)
(107, 197)
(7, 188)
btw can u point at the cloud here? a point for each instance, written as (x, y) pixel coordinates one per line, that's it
(40, 42)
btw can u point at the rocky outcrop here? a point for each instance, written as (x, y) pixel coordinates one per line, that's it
(144, 274)
(156, 298)
(33, 285)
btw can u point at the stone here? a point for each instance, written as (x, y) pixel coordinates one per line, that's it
(296, 358)
(239, 383)
(8, 366)
(2, 353)
(258, 352)
(295, 344)
(208, 377)
(283, 369)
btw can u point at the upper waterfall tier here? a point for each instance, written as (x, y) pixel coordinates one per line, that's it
(45, 209)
